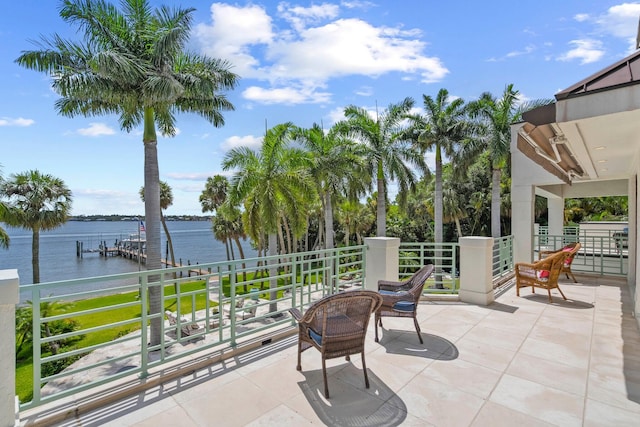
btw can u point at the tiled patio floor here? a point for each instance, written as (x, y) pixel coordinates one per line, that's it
(519, 362)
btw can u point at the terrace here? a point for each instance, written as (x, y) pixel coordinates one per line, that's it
(497, 359)
(516, 361)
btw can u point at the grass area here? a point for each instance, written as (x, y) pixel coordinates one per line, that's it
(24, 369)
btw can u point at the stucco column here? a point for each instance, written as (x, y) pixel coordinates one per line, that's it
(476, 273)
(9, 297)
(555, 206)
(382, 260)
(522, 206)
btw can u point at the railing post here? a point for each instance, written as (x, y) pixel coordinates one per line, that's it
(383, 261)
(476, 272)
(9, 298)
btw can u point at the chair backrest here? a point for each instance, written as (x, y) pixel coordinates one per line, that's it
(571, 251)
(357, 306)
(416, 282)
(553, 264)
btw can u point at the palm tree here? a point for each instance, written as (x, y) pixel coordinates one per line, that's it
(497, 115)
(38, 203)
(442, 129)
(4, 217)
(132, 62)
(272, 183)
(166, 200)
(388, 150)
(337, 167)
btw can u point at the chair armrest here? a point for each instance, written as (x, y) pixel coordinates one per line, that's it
(388, 285)
(296, 314)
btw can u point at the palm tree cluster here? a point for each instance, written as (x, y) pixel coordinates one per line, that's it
(303, 182)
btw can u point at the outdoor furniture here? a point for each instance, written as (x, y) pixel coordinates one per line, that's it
(571, 249)
(400, 299)
(541, 274)
(243, 310)
(186, 327)
(336, 326)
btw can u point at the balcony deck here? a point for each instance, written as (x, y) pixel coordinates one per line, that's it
(520, 361)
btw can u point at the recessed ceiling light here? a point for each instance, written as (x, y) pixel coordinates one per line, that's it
(602, 161)
(602, 147)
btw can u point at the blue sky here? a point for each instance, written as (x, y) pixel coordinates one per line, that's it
(299, 62)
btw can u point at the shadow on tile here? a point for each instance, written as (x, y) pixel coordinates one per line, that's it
(354, 406)
(434, 347)
(558, 301)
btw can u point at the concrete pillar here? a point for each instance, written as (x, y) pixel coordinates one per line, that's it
(476, 272)
(382, 260)
(556, 215)
(522, 203)
(9, 297)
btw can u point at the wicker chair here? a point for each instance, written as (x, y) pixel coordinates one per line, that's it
(541, 274)
(400, 299)
(571, 249)
(336, 325)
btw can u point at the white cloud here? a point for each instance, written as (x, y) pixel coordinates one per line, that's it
(364, 91)
(249, 141)
(96, 129)
(20, 122)
(581, 17)
(286, 95)
(524, 51)
(189, 176)
(621, 20)
(586, 50)
(300, 17)
(310, 46)
(232, 34)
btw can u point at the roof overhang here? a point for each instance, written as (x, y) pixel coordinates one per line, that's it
(592, 132)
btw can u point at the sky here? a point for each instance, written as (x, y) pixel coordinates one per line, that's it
(301, 62)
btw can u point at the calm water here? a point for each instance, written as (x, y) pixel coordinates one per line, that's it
(192, 241)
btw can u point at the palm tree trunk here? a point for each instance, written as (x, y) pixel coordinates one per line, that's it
(328, 215)
(35, 255)
(273, 271)
(438, 219)
(495, 203)
(152, 217)
(381, 213)
(244, 266)
(458, 228)
(170, 243)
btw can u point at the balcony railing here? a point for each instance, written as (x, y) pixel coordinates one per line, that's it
(502, 257)
(203, 302)
(602, 253)
(444, 256)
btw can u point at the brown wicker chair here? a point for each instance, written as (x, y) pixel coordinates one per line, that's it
(541, 274)
(336, 325)
(571, 249)
(400, 299)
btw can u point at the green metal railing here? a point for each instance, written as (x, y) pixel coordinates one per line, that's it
(502, 257)
(444, 256)
(604, 253)
(202, 296)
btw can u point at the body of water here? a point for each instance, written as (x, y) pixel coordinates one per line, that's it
(193, 242)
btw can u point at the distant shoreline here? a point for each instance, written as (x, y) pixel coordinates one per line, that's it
(87, 218)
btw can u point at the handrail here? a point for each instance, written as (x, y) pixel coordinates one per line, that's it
(302, 278)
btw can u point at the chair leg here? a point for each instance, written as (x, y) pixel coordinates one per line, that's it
(364, 369)
(415, 322)
(324, 375)
(299, 367)
(376, 321)
(549, 291)
(561, 293)
(572, 276)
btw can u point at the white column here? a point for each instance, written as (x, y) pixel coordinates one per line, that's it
(522, 205)
(476, 273)
(382, 260)
(555, 207)
(9, 297)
